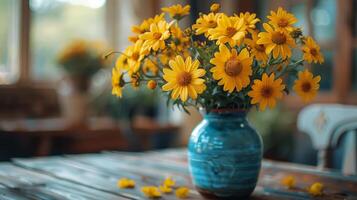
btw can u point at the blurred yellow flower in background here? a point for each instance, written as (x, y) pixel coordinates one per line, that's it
(278, 42)
(288, 181)
(312, 51)
(282, 20)
(215, 7)
(177, 11)
(229, 30)
(231, 69)
(306, 86)
(184, 78)
(316, 189)
(266, 91)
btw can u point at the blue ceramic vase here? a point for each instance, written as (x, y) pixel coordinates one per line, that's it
(225, 155)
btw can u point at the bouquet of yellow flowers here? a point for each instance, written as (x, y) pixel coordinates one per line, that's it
(220, 61)
(82, 58)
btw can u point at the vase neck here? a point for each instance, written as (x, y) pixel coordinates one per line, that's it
(226, 114)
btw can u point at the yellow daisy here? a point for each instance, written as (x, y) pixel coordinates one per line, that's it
(117, 82)
(229, 30)
(122, 62)
(135, 54)
(306, 86)
(184, 78)
(177, 11)
(282, 20)
(155, 38)
(257, 50)
(145, 25)
(312, 51)
(205, 23)
(232, 69)
(266, 91)
(278, 42)
(249, 20)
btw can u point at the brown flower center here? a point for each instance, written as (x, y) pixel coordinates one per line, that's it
(267, 92)
(157, 36)
(313, 51)
(135, 56)
(184, 79)
(278, 38)
(260, 47)
(231, 31)
(283, 22)
(212, 24)
(306, 87)
(233, 67)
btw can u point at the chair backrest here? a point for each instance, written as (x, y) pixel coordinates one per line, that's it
(325, 123)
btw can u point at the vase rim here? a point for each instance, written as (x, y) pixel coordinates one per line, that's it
(228, 110)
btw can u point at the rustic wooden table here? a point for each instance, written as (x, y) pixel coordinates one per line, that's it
(94, 177)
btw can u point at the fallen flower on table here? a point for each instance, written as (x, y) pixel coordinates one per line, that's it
(316, 189)
(182, 192)
(151, 191)
(126, 183)
(288, 181)
(165, 189)
(169, 182)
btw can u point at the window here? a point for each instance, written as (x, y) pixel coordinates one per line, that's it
(57, 22)
(9, 41)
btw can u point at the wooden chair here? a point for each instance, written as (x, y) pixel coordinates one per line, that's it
(325, 124)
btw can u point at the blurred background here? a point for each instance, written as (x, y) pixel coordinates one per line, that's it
(42, 112)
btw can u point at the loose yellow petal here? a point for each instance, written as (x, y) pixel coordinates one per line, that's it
(316, 189)
(126, 183)
(288, 181)
(151, 191)
(182, 192)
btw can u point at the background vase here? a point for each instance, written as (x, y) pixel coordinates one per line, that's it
(225, 155)
(73, 92)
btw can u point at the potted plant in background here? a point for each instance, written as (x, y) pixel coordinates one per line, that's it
(222, 65)
(80, 60)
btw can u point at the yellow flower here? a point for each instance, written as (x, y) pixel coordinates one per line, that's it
(205, 23)
(182, 192)
(152, 84)
(155, 38)
(169, 182)
(282, 20)
(177, 11)
(150, 66)
(312, 51)
(229, 29)
(167, 55)
(278, 42)
(135, 54)
(288, 181)
(122, 62)
(165, 189)
(77, 48)
(117, 86)
(316, 189)
(126, 183)
(133, 38)
(151, 191)
(266, 91)
(145, 25)
(184, 78)
(250, 20)
(258, 50)
(306, 86)
(215, 7)
(232, 69)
